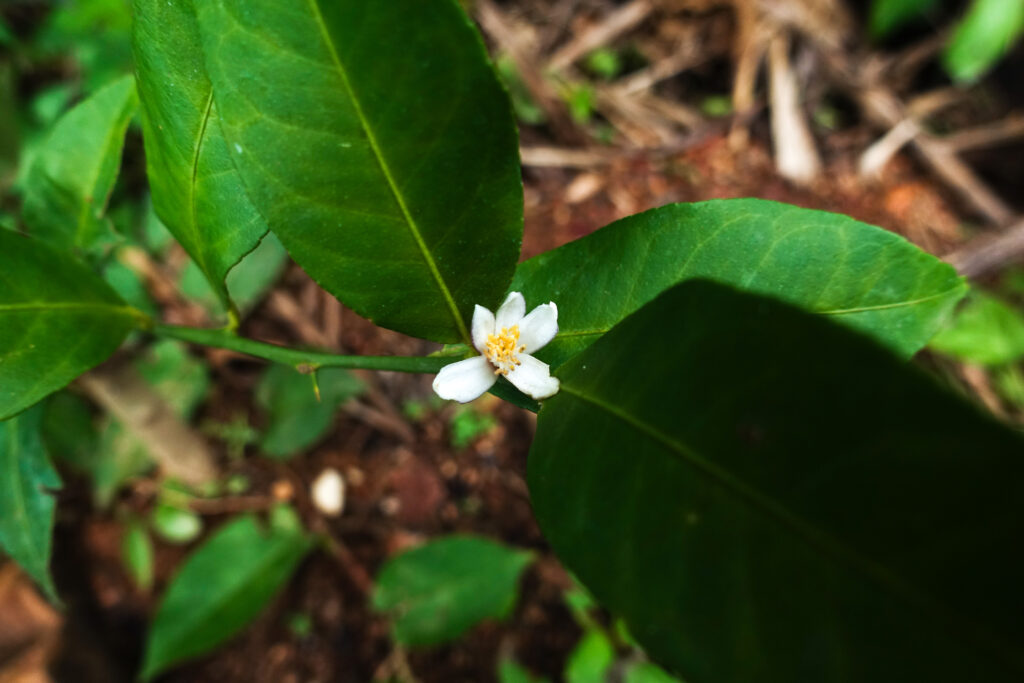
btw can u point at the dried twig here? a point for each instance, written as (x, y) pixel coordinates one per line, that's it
(493, 20)
(795, 154)
(990, 252)
(613, 26)
(1010, 128)
(178, 449)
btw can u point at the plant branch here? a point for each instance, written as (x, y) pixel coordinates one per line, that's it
(311, 360)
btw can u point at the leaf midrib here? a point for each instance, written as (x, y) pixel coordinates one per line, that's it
(386, 171)
(94, 175)
(200, 254)
(815, 538)
(284, 548)
(114, 309)
(593, 332)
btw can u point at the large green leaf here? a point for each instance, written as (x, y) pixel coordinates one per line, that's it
(26, 502)
(197, 192)
(438, 591)
(299, 412)
(377, 142)
(989, 30)
(766, 496)
(858, 274)
(221, 587)
(986, 330)
(57, 320)
(72, 174)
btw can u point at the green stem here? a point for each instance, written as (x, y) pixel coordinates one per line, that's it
(223, 339)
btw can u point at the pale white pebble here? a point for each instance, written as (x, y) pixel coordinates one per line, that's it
(328, 492)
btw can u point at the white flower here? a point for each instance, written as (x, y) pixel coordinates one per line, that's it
(505, 340)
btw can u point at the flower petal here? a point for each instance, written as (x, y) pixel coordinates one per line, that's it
(511, 312)
(465, 380)
(483, 325)
(539, 327)
(533, 378)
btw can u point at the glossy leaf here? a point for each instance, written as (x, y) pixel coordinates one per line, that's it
(27, 504)
(297, 416)
(440, 590)
(196, 190)
(987, 32)
(860, 275)
(986, 330)
(765, 495)
(220, 588)
(57, 320)
(73, 173)
(377, 142)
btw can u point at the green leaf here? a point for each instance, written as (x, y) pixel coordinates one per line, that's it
(57, 320)
(248, 282)
(26, 502)
(297, 417)
(176, 525)
(440, 590)
(989, 30)
(590, 659)
(197, 192)
(986, 330)
(377, 142)
(510, 671)
(96, 33)
(889, 15)
(137, 554)
(180, 378)
(863, 276)
(72, 174)
(69, 432)
(764, 495)
(220, 588)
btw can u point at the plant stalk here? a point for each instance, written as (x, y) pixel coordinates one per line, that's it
(303, 360)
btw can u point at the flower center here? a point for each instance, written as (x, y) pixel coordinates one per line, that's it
(503, 350)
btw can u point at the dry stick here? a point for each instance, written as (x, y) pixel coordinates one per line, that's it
(1010, 128)
(884, 109)
(795, 155)
(875, 157)
(989, 253)
(510, 41)
(178, 450)
(614, 25)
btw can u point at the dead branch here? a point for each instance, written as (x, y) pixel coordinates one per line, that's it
(179, 451)
(613, 26)
(989, 253)
(517, 46)
(795, 154)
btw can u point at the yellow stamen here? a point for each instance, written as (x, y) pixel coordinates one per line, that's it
(502, 349)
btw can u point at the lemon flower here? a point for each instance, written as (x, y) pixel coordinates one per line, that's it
(505, 341)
